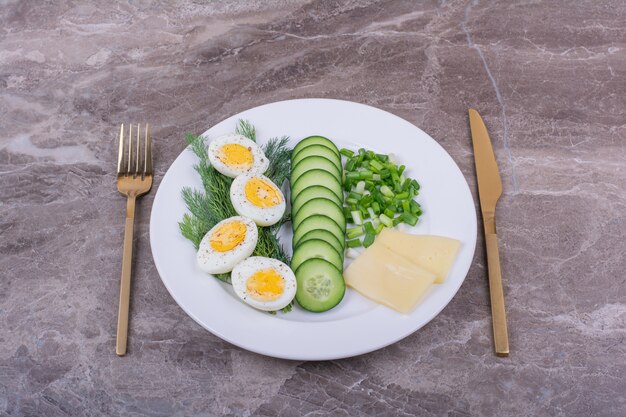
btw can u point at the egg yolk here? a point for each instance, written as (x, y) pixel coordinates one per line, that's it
(235, 154)
(228, 236)
(265, 285)
(262, 193)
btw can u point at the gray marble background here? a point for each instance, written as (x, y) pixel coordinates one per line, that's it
(549, 78)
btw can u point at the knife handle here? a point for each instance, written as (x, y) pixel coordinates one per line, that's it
(498, 314)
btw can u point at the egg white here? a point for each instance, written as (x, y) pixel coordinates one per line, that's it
(263, 216)
(253, 264)
(215, 262)
(260, 163)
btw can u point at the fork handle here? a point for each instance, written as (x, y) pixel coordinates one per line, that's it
(127, 260)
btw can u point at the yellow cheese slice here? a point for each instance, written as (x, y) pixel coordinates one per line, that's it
(433, 253)
(388, 278)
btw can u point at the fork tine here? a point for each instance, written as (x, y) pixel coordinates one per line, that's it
(147, 167)
(137, 170)
(120, 152)
(129, 168)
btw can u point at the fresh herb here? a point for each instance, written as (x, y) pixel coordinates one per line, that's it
(246, 129)
(279, 156)
(212, 204)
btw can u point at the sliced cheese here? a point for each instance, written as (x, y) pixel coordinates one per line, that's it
(433, 253)
(388, 278)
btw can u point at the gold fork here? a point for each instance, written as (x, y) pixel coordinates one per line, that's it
(134, 178)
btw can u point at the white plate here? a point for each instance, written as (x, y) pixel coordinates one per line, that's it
(357, 325)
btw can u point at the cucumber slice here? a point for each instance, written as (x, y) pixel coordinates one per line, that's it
(314, 162)
(314, 223)
(316, 150)
(315, 191)
(316, 177)
(315, 140)
(321, 206)
(320, 285)
(316, 248)
(324, 235)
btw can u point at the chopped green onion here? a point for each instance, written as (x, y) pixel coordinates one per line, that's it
(386, 191)
(352, 175)
(353, 232)
(354, 195)
(360, 187)
(386, 220)
(353, 243)
(369, 239)
(385, 173)
(362, 152)
(406, 206)
(366, 201)
(371, 212)
(401, 169)
(397, 221)
(376, 166)
(376, 207)
(381, 157)
(390, 211)
(347, 184)
(369, 228)
(350, 164)
(352, 201)
(379, 228)
(376, 177)
(346, 152)
(402, 196)
(356, 217)
(409, 218)
(365, 174)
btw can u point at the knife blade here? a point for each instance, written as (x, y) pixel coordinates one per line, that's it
(489, 192)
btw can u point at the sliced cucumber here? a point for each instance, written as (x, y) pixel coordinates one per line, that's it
(321, 206)
(324, 235)
(314, 162)
(316, 177)
(315, 191)
(320, 285)
(314, 140)
(316, 248)
(317, 222)
(317, 150)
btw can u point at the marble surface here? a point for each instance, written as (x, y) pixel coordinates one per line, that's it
(550, 80)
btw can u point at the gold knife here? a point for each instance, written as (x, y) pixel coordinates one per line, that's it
(489, 191)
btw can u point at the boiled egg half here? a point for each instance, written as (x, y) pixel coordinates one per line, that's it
(229, 242)
(235, 154)
(255, 196)
(264, 283)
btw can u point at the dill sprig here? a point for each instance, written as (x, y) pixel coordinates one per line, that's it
(211, 205)
(246, 129)
(279, 155)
